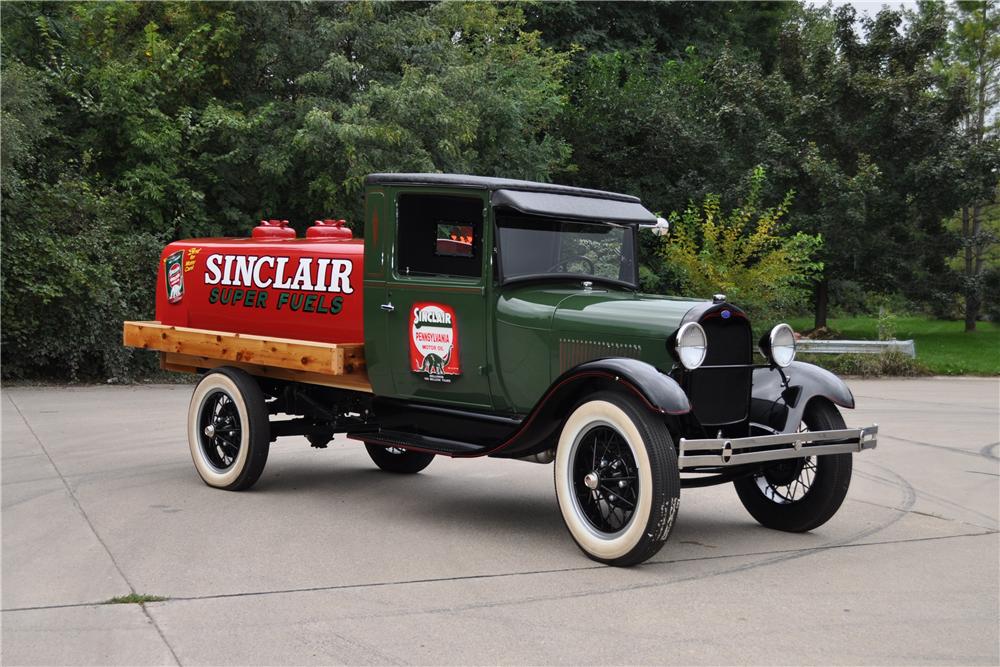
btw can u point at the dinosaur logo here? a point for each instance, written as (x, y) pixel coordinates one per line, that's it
(435, 364)
(434, 342)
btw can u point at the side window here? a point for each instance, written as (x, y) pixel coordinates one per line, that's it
(439, 235)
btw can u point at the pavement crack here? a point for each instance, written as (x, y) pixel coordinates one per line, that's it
(927, 514)
(936, 499)
(502, 575)
(159, 631)
(963, 406)
(954, 450)
(791, 554)
(86, 518)
(987, 451)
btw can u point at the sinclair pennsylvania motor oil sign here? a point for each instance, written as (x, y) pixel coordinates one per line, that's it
(434, 342)
(175, 277)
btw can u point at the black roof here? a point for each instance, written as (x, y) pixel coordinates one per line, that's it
(492, 184)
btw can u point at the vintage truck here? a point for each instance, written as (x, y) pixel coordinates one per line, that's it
(494, 317)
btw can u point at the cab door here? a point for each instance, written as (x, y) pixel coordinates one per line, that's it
(435, 309)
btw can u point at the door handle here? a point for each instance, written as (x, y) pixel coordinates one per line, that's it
(388, 307)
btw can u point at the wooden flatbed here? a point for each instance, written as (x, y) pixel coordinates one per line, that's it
(183, 349)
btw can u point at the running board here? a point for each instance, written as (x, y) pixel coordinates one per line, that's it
(423, 443)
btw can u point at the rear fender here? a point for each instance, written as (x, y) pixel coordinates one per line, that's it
(781, 407)
(659, 393)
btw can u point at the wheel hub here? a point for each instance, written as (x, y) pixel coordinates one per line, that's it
(789, 482)
(784, 473)
(605, 479)
(220, 426)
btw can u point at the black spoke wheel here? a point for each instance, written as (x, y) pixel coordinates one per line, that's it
(788, 481)
(605, 479)
(616, 479)
(399, 460)
(220, 430)
(228, 430)
(798, 495)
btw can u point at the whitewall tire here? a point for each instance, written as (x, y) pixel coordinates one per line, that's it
(228, 431)
(616, 479)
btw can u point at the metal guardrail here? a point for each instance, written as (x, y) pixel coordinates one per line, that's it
(810, 346)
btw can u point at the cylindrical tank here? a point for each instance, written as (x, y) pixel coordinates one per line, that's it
(276, 287)
(273, 229)
(330, 229)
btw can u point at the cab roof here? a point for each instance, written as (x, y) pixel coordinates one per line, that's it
(532, 198)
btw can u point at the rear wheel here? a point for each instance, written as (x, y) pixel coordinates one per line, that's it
(228, 431)
(399, 460)
(797, 495)
(616, 480)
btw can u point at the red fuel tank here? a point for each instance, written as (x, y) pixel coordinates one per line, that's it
(308, 289)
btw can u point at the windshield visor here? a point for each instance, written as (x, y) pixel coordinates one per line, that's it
(539, 248)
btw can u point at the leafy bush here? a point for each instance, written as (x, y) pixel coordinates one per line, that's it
(69, 279)
(745, 254)
(868, 365)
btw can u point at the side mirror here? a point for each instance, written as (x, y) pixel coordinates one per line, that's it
(661, 228)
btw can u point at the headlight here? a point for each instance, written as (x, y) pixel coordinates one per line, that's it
(691, 345)
(779, 345)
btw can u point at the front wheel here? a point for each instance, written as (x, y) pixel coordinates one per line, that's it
(797, 495)
(398, 460)
(616, 480)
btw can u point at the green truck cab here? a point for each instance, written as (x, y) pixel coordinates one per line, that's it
(503, 318)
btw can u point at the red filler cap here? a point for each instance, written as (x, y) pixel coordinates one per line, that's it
(335, 230)
(273, 229)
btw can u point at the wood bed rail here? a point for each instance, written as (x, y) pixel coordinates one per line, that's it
(190, 350)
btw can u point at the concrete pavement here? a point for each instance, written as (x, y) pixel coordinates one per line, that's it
(326, 560)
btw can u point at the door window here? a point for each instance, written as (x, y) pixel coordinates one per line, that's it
(439, 235)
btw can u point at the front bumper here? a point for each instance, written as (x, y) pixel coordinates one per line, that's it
(727, 452)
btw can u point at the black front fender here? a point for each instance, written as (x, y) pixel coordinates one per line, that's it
(658, 392)
(781, 408)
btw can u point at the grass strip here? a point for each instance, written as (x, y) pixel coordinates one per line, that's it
(943, 346)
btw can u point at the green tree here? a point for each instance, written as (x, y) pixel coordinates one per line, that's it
(850, 113)
(973, 60)
(168, 120)
(874, 127)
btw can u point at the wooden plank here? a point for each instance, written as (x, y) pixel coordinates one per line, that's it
(185, 363)
(354, 360)
(298, 355)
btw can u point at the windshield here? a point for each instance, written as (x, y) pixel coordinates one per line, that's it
(533, 247)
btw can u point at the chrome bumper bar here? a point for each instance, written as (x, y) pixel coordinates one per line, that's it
(715, 452)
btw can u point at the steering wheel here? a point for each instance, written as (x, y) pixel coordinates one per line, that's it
(563, 263)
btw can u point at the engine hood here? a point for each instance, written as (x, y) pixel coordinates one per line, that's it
(606, 313)
(618, 315)
(544, 330)
(631, 324)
